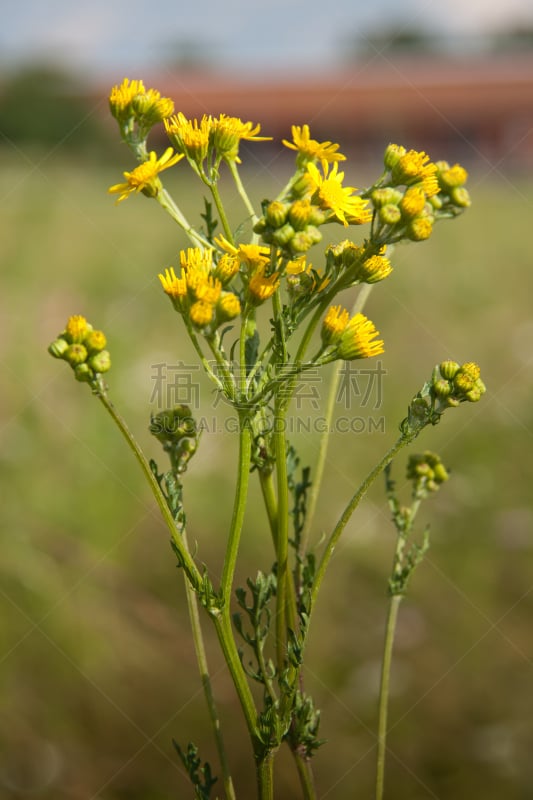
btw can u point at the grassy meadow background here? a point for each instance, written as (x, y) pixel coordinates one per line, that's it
(97, 670)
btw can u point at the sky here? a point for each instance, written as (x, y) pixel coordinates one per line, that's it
(110, 37)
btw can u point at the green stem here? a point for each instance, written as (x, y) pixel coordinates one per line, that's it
(265, 778)
(190, 568)
(242, 191)
(166, 202)
(201, 658)
(282, 536)
(394, 604)
(220, 208)
(350, 508)
(239, 506)
(306, 777)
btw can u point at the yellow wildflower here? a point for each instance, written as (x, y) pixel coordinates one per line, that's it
(76, 329)
(254, 256)
(334, 324)
(357, 339)
(190, 136)
(228, 307)
(413, 201)
(196, 265)
(201, 313)
(121, 97)
(332, 195)
(227, 267)
(208, 289)
(310, 150)
(227, 133)
(374, 269)
(452, 177)
(132, 99)
(144, 178)
(413, 167)
(174, 287)
(420, 228)
(261, 286)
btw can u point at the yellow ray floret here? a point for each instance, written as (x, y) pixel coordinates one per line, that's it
(145, 176)
(310, 149)
(357, 339)
(332, 195)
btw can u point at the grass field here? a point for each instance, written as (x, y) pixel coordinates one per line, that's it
(96, 663)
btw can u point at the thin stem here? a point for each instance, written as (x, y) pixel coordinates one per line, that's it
(222, 622)
(186, 561)
(203, 667)
(242, 191)
(350, 508)
(282, 536)
(265, 778)
(306, 776)
(165, 201)
(220, 208)
(239, 506)
(394, 604)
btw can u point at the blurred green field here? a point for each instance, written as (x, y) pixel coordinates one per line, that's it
(96, 662)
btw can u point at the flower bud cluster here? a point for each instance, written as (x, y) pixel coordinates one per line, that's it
(200, 294)
(292, 226)
(83, 348)
(450, 385)
(131, 104)
(414, 192)
(176, 429)
(427, 472)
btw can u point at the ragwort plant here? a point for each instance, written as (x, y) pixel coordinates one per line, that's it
(220, 284)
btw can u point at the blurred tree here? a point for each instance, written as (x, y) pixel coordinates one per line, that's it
(45, 105)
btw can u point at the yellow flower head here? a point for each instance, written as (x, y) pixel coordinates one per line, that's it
(253, 256)
(144, 178)
(357, 339)
(261, 287)
(131, 99)
(174, 287)
(190, 136)
(227, 267)
(452, 177)
(374, 269)
(201, 313)
(414, 167)
(334, 324)
(121, 97)
(227, 133)
(413, 201)
(197, 266)
(420, 228)
(208, 289)
(228, 307)
(331, 194)
(76, 329)
(310, 150)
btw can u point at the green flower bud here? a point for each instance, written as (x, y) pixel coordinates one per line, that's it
(316, 216)
(392, 155)
(100, 362)
(386, 196)
(461, 197)
(75, 354)
(58, 348)
(83, 373)
(260, 225)
(95, 341)
(283, 235)
(440, 472)
(441, 387)
(436, 202)
(420, 228)
(449, 369)
(390, 214)
(276, 213)
(299, 214)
